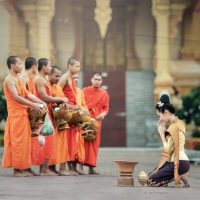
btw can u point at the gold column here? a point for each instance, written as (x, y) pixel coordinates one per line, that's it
(191, 32)
(132, 60)
(38, 16)
(163, 80)
(78, 26)
(176, 17)
(18, 45)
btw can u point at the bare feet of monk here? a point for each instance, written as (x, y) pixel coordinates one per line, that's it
(64, 173)
(47, 172)
(72, 168)
(80, 172)
(92, 171)
(80, 169)
(20, 173)
(29, 170)
(53, 169)
(73, 173)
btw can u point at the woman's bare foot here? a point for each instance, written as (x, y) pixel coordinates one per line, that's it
(184, 180)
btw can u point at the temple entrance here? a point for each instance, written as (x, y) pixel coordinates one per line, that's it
(108, 56)
(114, 126)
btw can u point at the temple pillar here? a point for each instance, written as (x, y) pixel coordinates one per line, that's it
(191, 39)
(38, 16)
(163, 80)
(18, 45)
(132, 60)
(176, 16)
(78, 26)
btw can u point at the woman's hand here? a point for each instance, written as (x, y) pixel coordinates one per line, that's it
(161, 127)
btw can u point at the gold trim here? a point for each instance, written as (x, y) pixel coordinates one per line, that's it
(103, 15)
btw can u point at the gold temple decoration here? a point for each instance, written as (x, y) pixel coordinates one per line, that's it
(103, 15)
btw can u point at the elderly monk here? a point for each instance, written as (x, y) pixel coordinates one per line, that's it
(43, 90)
(69, 88)
(60, 135)
(97, 101)
(17, 139)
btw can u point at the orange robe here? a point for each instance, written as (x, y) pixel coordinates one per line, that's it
(17, 135)
(30, 86)
(49, 146)
(70, 93)
(80, 140)
(97, 101)
(37, 156)
(60, 136)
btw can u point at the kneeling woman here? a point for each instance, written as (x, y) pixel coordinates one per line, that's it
(174, 163)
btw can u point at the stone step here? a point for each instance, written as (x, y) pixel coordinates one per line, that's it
(141, 118)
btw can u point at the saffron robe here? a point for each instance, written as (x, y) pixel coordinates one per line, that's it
(60, 137)
(37, 154)
(49, 151)
(97, 102)
(80, 155)
(17, 135)
(70, 93)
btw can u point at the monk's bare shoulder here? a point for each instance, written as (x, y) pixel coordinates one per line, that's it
(63, 80)
(23, 79)
(11, 84)
(40, 81)
(9, 81)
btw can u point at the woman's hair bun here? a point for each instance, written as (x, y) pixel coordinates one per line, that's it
(164, 104)
(165, 99)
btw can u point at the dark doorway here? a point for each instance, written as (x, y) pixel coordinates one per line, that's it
(108, 56)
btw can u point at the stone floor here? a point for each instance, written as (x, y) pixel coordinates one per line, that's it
(99, 187)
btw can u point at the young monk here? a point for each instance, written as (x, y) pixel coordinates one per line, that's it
(97, 102)
(174, 163)
(27, 79)
(17, 136)
(43, 89)
(60, 136)
(69, 88)
(80, 140)
(29, 74)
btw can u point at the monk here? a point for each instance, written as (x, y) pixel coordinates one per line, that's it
(69, 88)
(80, 140)
(29, 74)
(17, 136)
(97, 101)
(43, 90)
(60, 136)
(27, 79)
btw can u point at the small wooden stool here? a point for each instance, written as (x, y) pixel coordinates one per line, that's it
(126, 169)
